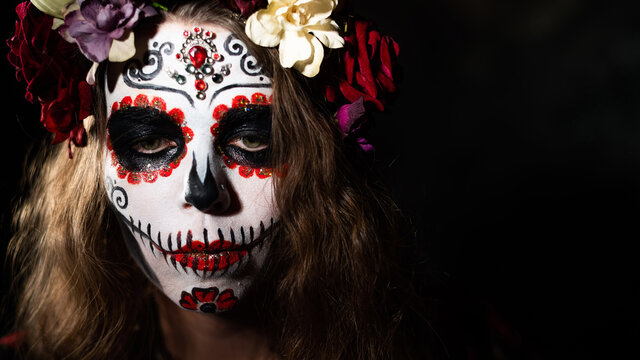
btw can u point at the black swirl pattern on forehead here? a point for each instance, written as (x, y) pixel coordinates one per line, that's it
(248, 64)
(133, 76)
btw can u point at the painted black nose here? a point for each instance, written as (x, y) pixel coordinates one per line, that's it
(206, 196)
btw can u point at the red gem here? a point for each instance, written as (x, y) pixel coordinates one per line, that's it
(165, 171)
(122, 173)
(141, 101)
(198, 55)
(185, 33)
(196, 30)
(201, 85)
(133, 178)
(188, 134)
(219, 111)
(240, 101)
(150, 176)
(126, 102)
(245, 171)
(177, 115)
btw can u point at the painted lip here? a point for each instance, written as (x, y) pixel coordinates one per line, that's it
(216, 255)
(205, 255)
(207, 259)
(211, 256)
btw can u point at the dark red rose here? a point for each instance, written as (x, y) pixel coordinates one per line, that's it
(63, 115)
(246, 7)
(369, 65)
(40, 55)
(54, 72)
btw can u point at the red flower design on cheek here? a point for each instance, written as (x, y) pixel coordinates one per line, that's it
(209, 300)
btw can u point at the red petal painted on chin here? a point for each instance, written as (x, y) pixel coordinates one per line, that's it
(187, 301)
(226, 300)
(205, 295)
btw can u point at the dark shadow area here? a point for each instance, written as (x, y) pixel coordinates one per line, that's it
(514, 149)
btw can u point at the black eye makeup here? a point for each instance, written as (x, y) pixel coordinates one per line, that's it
(244, 135)
(144, 138)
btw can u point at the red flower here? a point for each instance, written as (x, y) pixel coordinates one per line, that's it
(54, 72)
(369, 66)
(60, 116)
(212, 299)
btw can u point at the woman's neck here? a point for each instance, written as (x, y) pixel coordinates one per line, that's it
(194, 335)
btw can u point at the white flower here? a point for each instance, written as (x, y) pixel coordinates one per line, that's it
(300, 28)
(55, 8)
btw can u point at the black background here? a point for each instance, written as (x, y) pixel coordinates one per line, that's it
(514, 149)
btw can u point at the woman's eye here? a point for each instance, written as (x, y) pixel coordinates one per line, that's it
(249, 143)
(153, 145)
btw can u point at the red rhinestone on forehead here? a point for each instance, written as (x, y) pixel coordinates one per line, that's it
(200, 55)
(201, 85)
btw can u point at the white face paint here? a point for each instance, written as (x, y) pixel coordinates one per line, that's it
(187, 167)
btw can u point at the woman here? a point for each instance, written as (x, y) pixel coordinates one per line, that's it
(212, 206)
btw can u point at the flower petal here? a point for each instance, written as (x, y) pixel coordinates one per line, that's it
(57, 23)
(294, 47)
(327, 33)
(91, 75)
(122, 50)
(54, 8)
(311, 67)
(263, 30)
(316, 10)
(94, 46)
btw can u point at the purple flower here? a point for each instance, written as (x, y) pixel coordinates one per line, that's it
(350, 118)
(98, 22)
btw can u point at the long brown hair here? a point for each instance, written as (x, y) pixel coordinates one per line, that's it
(330, 289)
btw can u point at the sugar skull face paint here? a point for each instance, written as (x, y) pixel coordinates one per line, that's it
(187, 166)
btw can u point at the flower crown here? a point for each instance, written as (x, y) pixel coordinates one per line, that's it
(49, 33)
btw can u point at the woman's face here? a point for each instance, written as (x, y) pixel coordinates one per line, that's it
(187, 166)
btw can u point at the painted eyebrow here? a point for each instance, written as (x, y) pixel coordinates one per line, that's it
(233, 86)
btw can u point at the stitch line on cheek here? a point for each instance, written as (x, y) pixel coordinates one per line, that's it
(157, 103)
